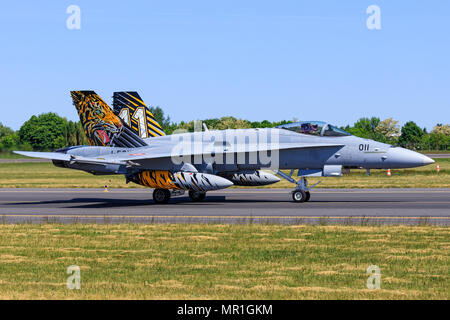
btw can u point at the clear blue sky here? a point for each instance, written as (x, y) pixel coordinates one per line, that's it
(250, 59)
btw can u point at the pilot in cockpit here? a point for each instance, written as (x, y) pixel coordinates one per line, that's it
(317, 128)
(309, 128)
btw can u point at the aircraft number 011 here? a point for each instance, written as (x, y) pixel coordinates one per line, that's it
(363, 147)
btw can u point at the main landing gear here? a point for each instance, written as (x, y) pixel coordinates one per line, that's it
(301, 193)
(197, 196)
(161, 196)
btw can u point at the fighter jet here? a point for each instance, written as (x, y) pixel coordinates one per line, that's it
(127, 140)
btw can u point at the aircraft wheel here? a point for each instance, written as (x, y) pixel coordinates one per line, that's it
(161, 196)
(197, 195)
(299, 195)
(308, 196)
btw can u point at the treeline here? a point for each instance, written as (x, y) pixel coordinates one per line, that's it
(223, 123)
(44, 132)
(409, 136)
(49, 131)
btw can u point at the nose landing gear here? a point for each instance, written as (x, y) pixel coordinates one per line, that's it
(301, 192)
(308, 196)
(299, 196)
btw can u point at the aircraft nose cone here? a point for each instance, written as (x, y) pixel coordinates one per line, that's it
(427, 160)
(404, 158)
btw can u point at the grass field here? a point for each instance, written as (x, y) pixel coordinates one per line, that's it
(223, 261)
(45, 175)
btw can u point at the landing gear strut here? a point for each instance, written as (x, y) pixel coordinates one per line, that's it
(301, 192)
(197, 196)
(161, 196)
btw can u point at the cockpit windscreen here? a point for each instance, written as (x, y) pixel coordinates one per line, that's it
(316, 128)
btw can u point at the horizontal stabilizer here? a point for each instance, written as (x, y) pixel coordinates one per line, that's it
(75, 159)
(45, 155)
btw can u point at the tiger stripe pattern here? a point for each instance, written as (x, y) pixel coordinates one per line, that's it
(163, 179)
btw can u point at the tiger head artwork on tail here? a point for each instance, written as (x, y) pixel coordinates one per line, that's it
(98, 120)
(101, 126)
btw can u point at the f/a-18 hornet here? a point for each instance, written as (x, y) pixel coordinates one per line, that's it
(127, 140)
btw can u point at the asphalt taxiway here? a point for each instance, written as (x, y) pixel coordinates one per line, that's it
(327, 206)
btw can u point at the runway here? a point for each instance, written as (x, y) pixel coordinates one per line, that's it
(351, 206)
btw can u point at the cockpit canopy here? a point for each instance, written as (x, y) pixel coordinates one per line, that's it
(316, 128)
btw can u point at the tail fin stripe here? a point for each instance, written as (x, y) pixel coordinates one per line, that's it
(153, 131)
(132, 102)
(138, 100)
(153, 120)
(157, 128)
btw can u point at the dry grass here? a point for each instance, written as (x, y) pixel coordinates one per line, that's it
(223, 261)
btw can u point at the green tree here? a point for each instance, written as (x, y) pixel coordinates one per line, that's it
(59, 142)
(282, 122)
(73, 134)
(411, 135)
(232, 123)
(12, 142)
(262, 124)
(9, 142)
(365, 128)
(42, 131)
(183, 127)
(8, 139)
(442, 129)
(438, 141)
(212, 123)
(5, 131)
(164, 121)
(389, 129)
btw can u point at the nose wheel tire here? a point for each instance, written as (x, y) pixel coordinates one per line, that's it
(161, 196)
(299, 196)
(197, 196)
(308, 196)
